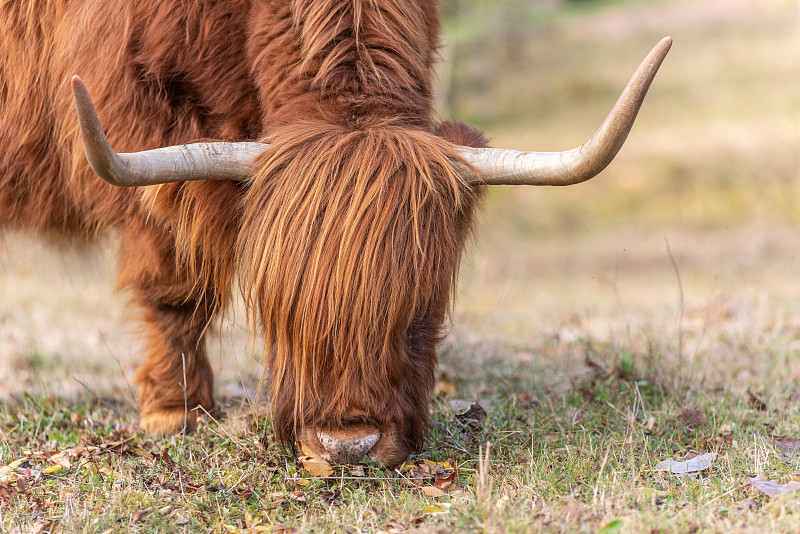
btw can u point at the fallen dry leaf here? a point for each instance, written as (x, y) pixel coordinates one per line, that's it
(472, 417)
(436, 509)
(297, 496)
(773, 489)
(693, 417)
(419, 471)
(254, 529)
(460, 495)
(43, 526)
(77, 451)
(164, 458)
(317, 467)
(302, 482)
(756, 402)
(53, 469)
(330, 496)
(443, 484)
(689, 468)
(106, 470)
(61, 459)
(433, 491)
(141, 514)
(122, 447)
(7, 494)
(357, 471)
(179, 518)
(526, 400)
(314, 463)
(8, 473)
(747, 504)
(788, 445)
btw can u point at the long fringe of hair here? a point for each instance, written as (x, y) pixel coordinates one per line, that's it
(348, 238)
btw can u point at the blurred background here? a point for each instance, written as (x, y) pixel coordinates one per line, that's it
(685, 248)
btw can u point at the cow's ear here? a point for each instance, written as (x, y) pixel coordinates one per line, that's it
(461, 134)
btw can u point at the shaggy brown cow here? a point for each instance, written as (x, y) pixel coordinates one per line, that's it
(344, 224)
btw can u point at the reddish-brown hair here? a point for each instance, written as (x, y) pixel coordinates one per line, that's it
(348, 235)
(350, 274)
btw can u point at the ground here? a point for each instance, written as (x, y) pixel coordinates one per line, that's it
(647, 315)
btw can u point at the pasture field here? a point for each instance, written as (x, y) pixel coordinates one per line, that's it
(650, 314)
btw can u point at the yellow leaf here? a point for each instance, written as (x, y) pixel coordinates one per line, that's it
(308, 451)
(314, 463)
(16, 463)
(435, 509)
(317, 467)
(416, 464)
(52, 469)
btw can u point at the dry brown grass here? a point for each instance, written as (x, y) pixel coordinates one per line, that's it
(711, 167)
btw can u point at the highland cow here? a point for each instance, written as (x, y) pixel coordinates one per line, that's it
(323, 185)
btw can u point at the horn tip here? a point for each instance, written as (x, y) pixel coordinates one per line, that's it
(77, 83)
(80, 93)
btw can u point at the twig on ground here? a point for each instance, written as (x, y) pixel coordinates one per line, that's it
(185, 399)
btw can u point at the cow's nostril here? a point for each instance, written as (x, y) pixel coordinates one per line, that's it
(349, 445)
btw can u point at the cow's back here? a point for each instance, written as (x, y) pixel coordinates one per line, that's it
(161, 73)
(31, 163)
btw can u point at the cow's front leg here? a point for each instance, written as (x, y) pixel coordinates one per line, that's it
(175, 380)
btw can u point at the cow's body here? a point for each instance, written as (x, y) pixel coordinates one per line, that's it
(347, 255)
(345, 228)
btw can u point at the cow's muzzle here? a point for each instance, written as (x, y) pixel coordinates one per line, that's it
(354, 444)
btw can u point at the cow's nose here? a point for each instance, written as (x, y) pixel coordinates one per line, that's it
(349, 445)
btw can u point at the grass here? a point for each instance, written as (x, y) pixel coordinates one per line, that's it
(716, 141)
(592, 360)
(573, 452)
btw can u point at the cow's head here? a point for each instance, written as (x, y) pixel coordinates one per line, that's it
(348, 250)
(349, 247)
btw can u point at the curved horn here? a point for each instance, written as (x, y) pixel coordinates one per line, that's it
(197, 161)
(496, 166)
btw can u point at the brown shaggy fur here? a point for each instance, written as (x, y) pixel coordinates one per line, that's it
(347, 237)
